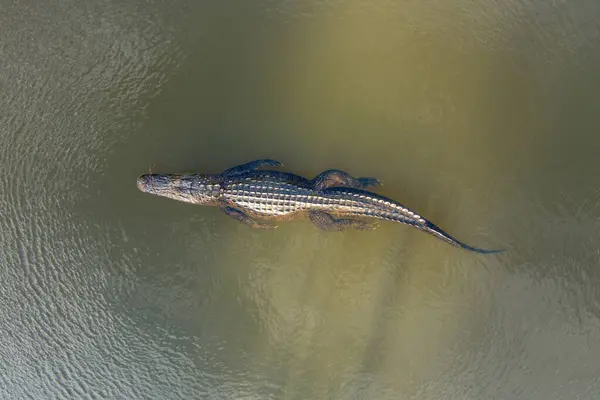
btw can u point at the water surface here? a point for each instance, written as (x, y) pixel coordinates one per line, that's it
(481, 116)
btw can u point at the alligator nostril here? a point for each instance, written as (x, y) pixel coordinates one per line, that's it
(142, 182)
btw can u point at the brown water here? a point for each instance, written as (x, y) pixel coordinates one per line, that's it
(481, 116)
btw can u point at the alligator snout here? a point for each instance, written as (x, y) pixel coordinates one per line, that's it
(143, 182)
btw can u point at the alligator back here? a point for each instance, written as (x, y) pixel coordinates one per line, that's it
(269, 194)
(277, 195)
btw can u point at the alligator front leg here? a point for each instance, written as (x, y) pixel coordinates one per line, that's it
(242, 217)
(328, 223)
(335, 177)
(251, 166)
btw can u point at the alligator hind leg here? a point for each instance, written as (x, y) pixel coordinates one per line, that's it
(242, 217)
(335, 177)
(328, 223)
(251, 166)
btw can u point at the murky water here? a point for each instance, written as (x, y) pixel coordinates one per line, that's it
(482, 116)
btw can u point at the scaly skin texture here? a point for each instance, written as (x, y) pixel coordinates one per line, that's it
(333, 200)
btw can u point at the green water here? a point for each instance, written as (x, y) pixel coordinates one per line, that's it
(481, 116)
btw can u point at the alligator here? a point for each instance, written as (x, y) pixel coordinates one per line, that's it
(333, 200)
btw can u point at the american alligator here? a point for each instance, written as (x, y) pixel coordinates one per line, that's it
(333, 200)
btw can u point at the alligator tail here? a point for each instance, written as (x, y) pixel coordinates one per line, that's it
(440, 234)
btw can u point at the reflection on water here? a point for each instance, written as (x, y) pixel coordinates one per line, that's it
(481, 117)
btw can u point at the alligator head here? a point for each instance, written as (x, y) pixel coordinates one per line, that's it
(193, 188)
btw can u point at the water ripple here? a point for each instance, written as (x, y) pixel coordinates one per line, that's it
(64, 105)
